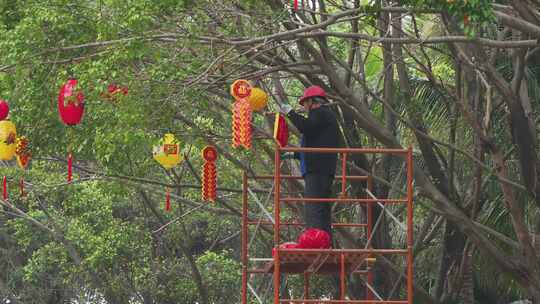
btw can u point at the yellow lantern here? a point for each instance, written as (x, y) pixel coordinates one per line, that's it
(8, 139)
(168, 153)
(258, 99)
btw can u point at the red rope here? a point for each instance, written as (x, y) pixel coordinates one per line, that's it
(4, 193)
(70, 164)
(21, 184)
(168, 200)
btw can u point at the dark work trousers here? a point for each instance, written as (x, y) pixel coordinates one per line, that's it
(318, 214)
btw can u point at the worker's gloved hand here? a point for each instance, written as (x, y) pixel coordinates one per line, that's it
(286, 155)
(285, 108)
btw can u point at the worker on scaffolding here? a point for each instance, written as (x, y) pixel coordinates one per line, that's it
(319, 130)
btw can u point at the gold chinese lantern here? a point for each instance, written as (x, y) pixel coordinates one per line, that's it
(8, 138)
(257, 99)
(167, 154)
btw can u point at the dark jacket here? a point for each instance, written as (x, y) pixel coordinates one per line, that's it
(320, 130)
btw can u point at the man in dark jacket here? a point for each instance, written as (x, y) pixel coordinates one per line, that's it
(319, 130)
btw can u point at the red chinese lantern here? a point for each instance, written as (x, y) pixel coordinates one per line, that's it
(241, 90)
(4, 109)
(281, 130)
(314, 238)
(287, 245)
(70, 103)
(71, 110)
(209, 174)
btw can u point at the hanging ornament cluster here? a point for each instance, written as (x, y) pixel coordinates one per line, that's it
(241, 124)
(71, 110)
(23, 155)
(281, 130)
(114, 92)
(209, 174)
(167, 154)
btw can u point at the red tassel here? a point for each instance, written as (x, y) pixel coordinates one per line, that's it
(295, 5)
(22, 186)
(4, 193)
(70, 164)
(168, 200)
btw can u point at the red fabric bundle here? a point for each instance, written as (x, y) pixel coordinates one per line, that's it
(314, 238)
(281, 130)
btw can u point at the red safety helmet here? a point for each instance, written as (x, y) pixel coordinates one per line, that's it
(312, 91)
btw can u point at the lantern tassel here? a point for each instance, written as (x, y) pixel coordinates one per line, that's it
(4, 192)
(168, 200)
(296, 5)
(21, 185)
(70, 165)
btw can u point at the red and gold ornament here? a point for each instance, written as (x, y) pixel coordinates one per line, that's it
(23, 155)
(241, 125)
(209, 175)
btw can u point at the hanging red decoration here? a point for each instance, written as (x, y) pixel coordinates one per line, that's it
(71, 110)
(168, 200)
(241, 124)
(23, 155)
(281, 130)
(4, 109)
(245, 123)
(295, 5)
(209, 175)
(70, 103)
(70, 167)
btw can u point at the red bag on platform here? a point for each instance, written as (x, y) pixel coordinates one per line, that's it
(314, 238)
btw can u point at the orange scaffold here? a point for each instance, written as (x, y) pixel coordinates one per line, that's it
(343, 262)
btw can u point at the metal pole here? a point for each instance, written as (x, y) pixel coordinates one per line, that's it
(244, 237)
(276, 224)
(343, 173)
(306, 285)
(342, 277)
(409, 226)
(369, 294)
